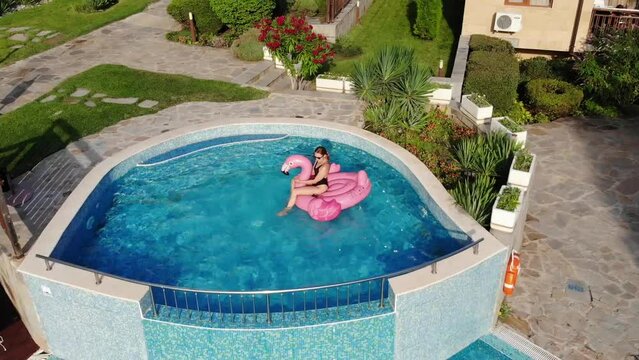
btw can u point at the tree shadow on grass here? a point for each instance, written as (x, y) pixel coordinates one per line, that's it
(454, 16)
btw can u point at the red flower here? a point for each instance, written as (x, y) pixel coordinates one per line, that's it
(280, 20)
(299, 48)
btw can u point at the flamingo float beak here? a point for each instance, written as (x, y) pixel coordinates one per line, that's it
(285, 169)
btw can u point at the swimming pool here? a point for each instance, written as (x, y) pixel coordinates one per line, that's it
(434, 310)
(203, 217)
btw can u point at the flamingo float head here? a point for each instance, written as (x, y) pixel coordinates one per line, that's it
(295, 161)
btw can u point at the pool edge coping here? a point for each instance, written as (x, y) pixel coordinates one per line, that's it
(52, 233)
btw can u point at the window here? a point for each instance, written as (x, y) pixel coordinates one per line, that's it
(540, 3)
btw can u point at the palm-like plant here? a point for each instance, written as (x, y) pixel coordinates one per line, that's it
(476, 196)
(411, 90)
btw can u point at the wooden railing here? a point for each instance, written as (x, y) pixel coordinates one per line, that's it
(333, 8)
(613, 19)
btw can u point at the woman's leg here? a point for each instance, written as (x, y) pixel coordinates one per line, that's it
(306, 190)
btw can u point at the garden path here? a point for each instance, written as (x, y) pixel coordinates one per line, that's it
(579, 288)
(55, 177)
(138, 42)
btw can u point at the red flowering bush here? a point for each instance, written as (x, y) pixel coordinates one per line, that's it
(293, 42)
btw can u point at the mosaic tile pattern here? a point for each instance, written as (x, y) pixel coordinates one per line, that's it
(370, 338)
(438, 321)
(84, 325)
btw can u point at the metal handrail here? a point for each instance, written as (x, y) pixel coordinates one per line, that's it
(49, 262)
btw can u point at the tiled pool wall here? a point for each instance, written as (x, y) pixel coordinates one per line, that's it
(431, 322)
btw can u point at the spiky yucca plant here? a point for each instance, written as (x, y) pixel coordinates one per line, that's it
(476, 196)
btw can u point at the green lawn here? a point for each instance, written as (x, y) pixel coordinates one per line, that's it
(37, 129)
(59, 16)
(389, 22)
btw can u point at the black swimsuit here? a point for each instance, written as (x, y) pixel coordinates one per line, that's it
(324, 181)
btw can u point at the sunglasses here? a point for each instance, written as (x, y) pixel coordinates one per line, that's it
(319, 157)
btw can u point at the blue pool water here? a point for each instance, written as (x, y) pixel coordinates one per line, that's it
(489, 347)
(207, 221)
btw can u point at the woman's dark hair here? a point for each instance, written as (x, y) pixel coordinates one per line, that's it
(322, 150)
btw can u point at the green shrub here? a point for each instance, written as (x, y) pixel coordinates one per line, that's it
(535, 68)
(592, 108)
(486, 155)
(476, 196)
(346, 47)
(241, 15)
(609, 71)
(509, 198)
(541, 118)
(495, 75)
(492, 44)
(205, 19)
(428, 19)
(309, 7)
(523, 160)
(520, 115)
(89, 6)
(247, 47)
(7, 5)
(554, 98)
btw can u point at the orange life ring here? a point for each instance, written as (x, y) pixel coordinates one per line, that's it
(512, 271)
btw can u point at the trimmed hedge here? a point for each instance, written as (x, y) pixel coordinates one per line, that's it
(554, 98)
(428, 19)
(247, 47)
(205, 19)
(488, 43)
(542, 68)
(240, 15)
(495, 75)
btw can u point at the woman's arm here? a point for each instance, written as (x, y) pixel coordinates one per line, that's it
(321, 174)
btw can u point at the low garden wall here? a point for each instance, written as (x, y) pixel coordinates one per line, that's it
(345, 21)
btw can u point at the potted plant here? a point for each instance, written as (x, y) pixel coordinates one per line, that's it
(522, 169)
(508, 126)
(267, 53)
(442, 95)
(506, 208)
(329, 82)
(477, 106)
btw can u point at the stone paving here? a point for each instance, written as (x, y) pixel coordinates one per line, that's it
(137, 42)
(53, 179)
(579, 287)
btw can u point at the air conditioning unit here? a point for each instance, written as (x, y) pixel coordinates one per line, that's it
(507, 22)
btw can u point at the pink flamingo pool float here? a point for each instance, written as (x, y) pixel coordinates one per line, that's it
(345, 189)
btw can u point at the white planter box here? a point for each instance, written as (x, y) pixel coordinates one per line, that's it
(441, 96)
(479, 113)
(348, 86)
(496, 126)
(503, 220)
(267, 54)
(329, 85)
(519, 178)
(278, 64)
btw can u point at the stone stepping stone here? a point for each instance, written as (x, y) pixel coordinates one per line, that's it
(44, 33)
(19, 37)
(80, 92)
(123, 101)
(147, 104)
(99, 95)
(90, 104)
(48, 99)
(19, 29)
(52, 35)
(36, 40)
(16, 47)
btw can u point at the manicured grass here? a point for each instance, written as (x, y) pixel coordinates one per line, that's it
(37, 129)
(389, 22)
(59, 16)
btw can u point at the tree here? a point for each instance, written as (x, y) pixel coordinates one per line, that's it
(610, 70)
(293, 42)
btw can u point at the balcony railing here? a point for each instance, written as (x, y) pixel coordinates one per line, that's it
(608, 19)
(333, 8)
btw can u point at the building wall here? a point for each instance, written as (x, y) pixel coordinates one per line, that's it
(545, 29)
(441, 319)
